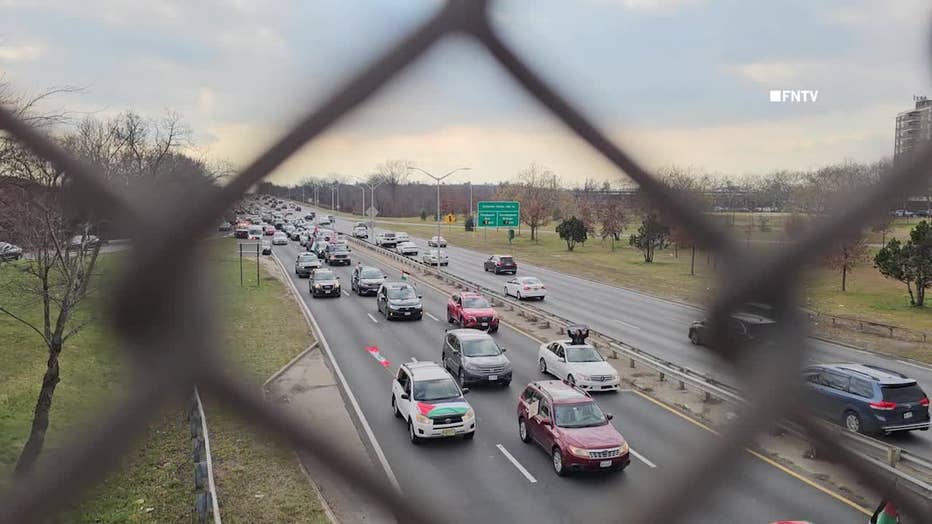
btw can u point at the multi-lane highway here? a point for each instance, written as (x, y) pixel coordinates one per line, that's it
(496, 477)
(653, 324)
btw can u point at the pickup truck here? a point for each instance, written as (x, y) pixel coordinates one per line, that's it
(386, 239)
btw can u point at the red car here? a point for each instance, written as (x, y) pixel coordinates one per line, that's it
(571, 427)
(472, 310)
(269, 230)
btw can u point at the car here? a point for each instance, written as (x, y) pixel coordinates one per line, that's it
(304, 239)
(501, 264)
(241, 231)
(324, 282)
(225, 227)
(743, 327)
(385, 239)
(866, 399)
(525, 287)
(474, 357)
(266, 246)
(269, 230)
(309, 216)
(360, 231)
(331, 219)
(924, 213)
(472, 310)
(577, 362)
(337, 255)
(437, 241)
(10, 252)
(396, 299)
(319, 248)
(903, 213)
(297, 208)
(406, 248)
(255, 232)
(568, 424)
(84, 240)
(288, 229)
(435, 257)
(426, 397)
(401, 236)
(279, 224)
(324, 221)
(366, 280)
(305, 264)
(280, 239)
(326, 234)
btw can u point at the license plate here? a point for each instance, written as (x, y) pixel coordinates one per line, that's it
(493, 377)
(448, 432)
(908, 414)
(484, 324)
(605, 464)
(407, 313)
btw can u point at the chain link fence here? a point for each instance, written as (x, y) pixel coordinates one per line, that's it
(164, 284)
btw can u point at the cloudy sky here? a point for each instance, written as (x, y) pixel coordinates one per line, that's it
(678, 82)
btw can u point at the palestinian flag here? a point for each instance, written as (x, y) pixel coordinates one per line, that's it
(888, 514)
(443, 409)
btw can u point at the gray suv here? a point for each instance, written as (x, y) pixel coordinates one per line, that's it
(366, 280)
(399, 300)
(473, 357)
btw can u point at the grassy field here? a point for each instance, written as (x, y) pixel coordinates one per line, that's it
(257, 480)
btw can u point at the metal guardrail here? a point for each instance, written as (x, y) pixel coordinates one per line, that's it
(206, 504)
(889, 456)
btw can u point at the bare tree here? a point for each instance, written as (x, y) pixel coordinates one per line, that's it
(537, 189)
(613, 218)
(845, 256)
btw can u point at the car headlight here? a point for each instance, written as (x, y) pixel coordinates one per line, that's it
(392, 306)
(584, 377)
(470, 414)
(422, 419)
(468, 318)
(316, 286)
(469, 365)
(579, 452)
(624, 448)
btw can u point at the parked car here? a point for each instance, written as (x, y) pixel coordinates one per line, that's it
(386, 239)
(435, 257)
(306, 263)
(472, 310)
(266, 247)
(867, 399)
(337, 255)
(280, 239)
(399, 300)
(426, 397)
(366, 280)
(501, 264)
(577, 362)
(474, 357)
(324, 283)
(406, 248)
(10, 252)
(571, 428)
(525, 287)
(437, 241)
(84, 240)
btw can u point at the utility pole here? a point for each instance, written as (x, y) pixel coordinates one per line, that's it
(363, 212)
(470, 207)
(371, 204)
(332, 198)
(438, 179)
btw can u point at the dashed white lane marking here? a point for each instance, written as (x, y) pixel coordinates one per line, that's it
(431, 316)
(642, 458)
(632, 326)
(345, 292)
(514, 461)
(372, 318)
(413, 359)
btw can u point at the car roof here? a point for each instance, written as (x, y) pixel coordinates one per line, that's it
(425, 370)
(569, 343)
(875, 373)
(470, 294)
(396, 283)
(561, 392)
(469, 334)
(306, 253)
(361, 268)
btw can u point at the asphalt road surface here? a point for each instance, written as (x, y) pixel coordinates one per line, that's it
(656, 325)
(475, 481)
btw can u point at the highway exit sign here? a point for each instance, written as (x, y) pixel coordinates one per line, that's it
(498, 214)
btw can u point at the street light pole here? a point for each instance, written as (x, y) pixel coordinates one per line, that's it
(371, 203)
(470, 206)
(438, 179)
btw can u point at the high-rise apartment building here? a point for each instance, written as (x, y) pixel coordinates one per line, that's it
(913, 127)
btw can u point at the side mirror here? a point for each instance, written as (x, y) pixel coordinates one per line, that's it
(609, 416)
(465, 390)
(420, 296)
(545, 421)
(404, 396)
(503, 349)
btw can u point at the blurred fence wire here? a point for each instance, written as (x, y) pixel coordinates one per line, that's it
(162, 284)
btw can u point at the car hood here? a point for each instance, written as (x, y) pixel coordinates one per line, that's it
(327, 282)
(593, 368)
(405, 302)
(497, 360)
(480, 311)
(309, 263)
(371, 281)
(453, 406)
(596, 437)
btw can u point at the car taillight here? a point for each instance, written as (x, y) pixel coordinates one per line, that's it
(883, 405)
(498, 263)
(543, 287)
(527, 288)
(924, 401)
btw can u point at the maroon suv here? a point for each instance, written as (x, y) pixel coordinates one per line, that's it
(571, 427)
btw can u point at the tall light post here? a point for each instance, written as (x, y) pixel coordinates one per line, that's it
(371, 203)
(438, 179)
(470, 207)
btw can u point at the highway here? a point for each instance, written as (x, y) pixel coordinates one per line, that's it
(474, 481)
(654, 324)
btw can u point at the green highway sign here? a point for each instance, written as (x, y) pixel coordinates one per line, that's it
(498, 214)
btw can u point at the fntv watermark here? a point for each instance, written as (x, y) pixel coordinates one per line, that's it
(794, 95)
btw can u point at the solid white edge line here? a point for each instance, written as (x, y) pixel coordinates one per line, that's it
(413, 359)
(215, 504)
(515, 463)
(336, 367)
(642, 458)
(632, 326)
(372, 318)
(431, 316)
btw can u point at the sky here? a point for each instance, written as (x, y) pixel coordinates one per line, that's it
(674, 82)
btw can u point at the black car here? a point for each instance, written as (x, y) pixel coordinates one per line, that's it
(742, 327)
(266, 247)
(10, 252)
(324, 283)
(474, 357)
(337, 255)
(501, 264)
(366, 280)
(866, 399)
(399, 300)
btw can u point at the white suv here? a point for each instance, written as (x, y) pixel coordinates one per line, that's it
(386, 239)
(426, 397)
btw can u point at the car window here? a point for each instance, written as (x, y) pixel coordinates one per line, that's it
(559, 351)
(482, 347)
(814, 378)
(306, 258)
(582, 354)
(528, 394)
(475, 303)
(904, 393)
(403, 379)
(507, 260)
(544, 409)
(324, 274)
(835, 381)
(436, 389)
(370, 273)
(579, 415)
(861, 387)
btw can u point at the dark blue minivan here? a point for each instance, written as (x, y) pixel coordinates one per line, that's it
(867, 399)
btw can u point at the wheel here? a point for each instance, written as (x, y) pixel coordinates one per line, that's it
(541, 298)
(506, 292)
(853, 422)
(461, 377)
(450, 319)
(470, 435)
(485, 268)
(542, 366)
(413, 436)
(557, 457)
(395, 408)
(571, 380)
(493, 330)
(694, 337)
(522, 431)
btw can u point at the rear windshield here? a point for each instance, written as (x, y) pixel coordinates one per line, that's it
(905, 393)
(306, 258)
(507, 260)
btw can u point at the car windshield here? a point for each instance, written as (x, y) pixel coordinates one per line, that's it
(339, 248)
(579, 415)
(475, 302)
(371, 273)
(322, 274)
(438, 389)
(402, 293)
(582, 354)
(306, 258)
(902, 393)
(507, 260)
(483, 347)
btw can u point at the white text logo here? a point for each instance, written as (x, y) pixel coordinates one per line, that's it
(794, 95)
